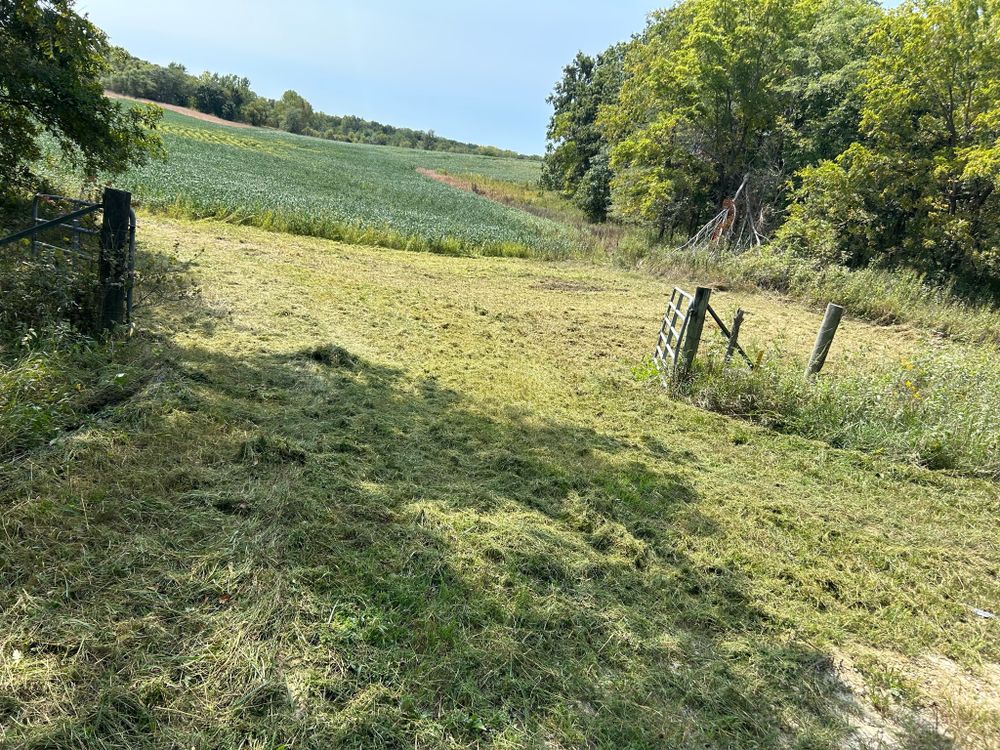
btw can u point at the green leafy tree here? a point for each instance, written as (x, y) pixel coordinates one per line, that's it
(576, 161)
(259, 111)
(230, 97)
(51, 63)
(920, 187)
(716, 90)
(222, 95)
(294, 113)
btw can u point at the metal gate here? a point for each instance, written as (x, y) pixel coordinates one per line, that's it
(65, 241)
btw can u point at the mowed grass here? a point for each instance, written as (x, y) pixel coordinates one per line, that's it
(372, 499)
(352, 192)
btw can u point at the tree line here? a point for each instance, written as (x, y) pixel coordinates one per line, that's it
(860, 135)
(231, 98)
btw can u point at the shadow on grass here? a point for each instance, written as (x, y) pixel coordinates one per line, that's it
(316, 551)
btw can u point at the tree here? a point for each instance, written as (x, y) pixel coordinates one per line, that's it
(51, 62)
(920, 187)
(294, 113)
(576, 156)
(716, 90)
(259, 111)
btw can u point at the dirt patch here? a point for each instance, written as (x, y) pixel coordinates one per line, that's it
(180, 110)
(448, 179)
(934, 703)
(567, 285)
(490, 193)
(607, 234)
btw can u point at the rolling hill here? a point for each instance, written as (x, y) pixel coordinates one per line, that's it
(353, 192)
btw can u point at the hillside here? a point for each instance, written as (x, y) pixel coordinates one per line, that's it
(358, 498)
(366, 446)
(178, 109)
(355, 192)
(229, 97)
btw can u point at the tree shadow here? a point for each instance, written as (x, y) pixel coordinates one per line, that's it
(312, 550)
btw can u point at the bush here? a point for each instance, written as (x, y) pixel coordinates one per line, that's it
(39, 291)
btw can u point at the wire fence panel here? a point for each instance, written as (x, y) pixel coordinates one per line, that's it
(61, 253)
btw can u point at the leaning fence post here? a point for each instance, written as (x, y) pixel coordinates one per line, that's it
(695, 323)
(114, 256)
(734, 335)
(824, 339)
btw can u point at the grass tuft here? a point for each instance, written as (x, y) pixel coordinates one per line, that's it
(940, 409)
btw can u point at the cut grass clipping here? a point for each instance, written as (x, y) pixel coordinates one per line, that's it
(434, 509)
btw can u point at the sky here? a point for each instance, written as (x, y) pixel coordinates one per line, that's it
(473, 70)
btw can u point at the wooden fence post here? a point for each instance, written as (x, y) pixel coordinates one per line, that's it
(824, 339)
(695, 323)
(113, 263)
(734, 335)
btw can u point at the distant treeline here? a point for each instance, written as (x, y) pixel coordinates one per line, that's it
(231, 98)
(865, 136)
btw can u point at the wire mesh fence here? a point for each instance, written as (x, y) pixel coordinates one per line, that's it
(70, 263)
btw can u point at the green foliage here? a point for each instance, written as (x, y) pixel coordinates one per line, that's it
(42, 286)
(51, 61)
(938, 410)
(230, 97)
(884, 296)
(53, 378)
(593, 193)
(716, 91)
(576, 162)
(864, 137)
(42, 290)
(919, 188)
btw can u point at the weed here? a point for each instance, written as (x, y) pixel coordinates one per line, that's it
(940, 409)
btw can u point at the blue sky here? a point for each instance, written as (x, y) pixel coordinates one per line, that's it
(473, 70)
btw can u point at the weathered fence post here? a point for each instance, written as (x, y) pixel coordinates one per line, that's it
(114, 261)
(824, 339)
(695, 323)
(734, 335)
(34, 223)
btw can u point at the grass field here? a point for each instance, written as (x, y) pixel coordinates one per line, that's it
(359, 193)
(358, 498)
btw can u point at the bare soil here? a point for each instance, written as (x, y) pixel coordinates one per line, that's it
(180, 110)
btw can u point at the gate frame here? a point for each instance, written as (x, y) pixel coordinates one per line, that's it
(116, 258)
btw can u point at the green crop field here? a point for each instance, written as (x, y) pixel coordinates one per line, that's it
(360, 193)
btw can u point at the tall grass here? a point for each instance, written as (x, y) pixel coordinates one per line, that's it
(880, 295)
(941, 410)
(56, 374)
(55, 380)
